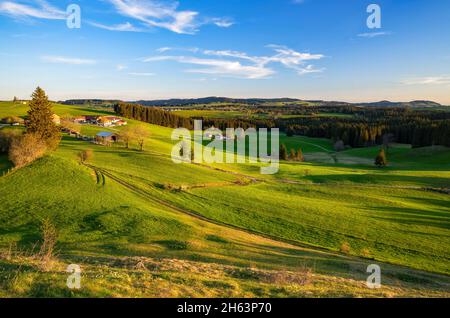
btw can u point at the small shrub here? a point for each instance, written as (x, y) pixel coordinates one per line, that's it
(380, 160)
(86, 155)
(365, 252)
(49, 239)
(345, 248)
(25, 149)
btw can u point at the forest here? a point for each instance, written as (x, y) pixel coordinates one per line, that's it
(364, 127)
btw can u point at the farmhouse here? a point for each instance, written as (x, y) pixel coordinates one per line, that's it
(80, 120)
(105, 138)
(92, 119)
(121, 123)
(108, 121)
(104, 121)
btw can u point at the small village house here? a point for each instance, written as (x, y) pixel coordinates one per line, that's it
(108, 121)
(105, 138)
(80, 120)
(92, 119)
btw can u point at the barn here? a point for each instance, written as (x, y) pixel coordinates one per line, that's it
(105, 138)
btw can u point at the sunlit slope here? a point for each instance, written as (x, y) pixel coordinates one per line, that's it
(130, 203)
(105, 224)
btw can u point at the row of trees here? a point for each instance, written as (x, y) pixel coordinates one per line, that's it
(152, 115)
(293, 155)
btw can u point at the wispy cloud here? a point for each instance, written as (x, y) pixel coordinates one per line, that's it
(430, 80)
(42, 10)
(222, 22)
(373, 34)
(185, 49)
(67, 60)
(242, 65)
(151, 13)
(125, 27)
(218, 67)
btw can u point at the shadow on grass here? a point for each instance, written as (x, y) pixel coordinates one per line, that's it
(5, 164)
(356, 268)
(440, 219)
(381, 179)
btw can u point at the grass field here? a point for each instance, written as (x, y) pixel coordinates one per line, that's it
(142, 226)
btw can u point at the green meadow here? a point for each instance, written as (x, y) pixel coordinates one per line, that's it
(142, 226)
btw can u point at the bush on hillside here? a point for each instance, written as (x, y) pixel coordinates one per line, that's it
(25, 149)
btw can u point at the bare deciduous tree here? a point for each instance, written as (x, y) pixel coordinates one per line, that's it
(86, 155)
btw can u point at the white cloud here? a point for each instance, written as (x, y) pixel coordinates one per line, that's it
(42, 11)
(165, 15)
(239, 64)
(222, 22)
(188, 49)
(373, 34)
(163, 49)
(68, 60)
(125, 27)
(219, 67)
(430, 80)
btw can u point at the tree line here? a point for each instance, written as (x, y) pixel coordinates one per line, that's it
(367, 126)
(152, 115)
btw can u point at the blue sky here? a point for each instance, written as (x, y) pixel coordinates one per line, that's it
(146, 49)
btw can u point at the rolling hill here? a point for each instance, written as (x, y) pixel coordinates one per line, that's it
(141, 226)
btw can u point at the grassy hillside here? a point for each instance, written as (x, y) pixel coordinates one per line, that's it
(142, 226)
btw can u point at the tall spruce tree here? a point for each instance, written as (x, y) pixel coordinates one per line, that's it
(381, 160)
(293, 155)
(283, 152)
(40, 119)
(300, 156)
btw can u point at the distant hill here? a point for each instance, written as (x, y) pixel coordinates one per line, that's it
(252, 101)
(415, 103)
(209, 100)
(88, 101)
(259, 101)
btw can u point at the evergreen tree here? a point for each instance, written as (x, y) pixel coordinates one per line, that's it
(300, 156)
(40, 121)
(283, 152)
(381, 160)
(293, 155)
